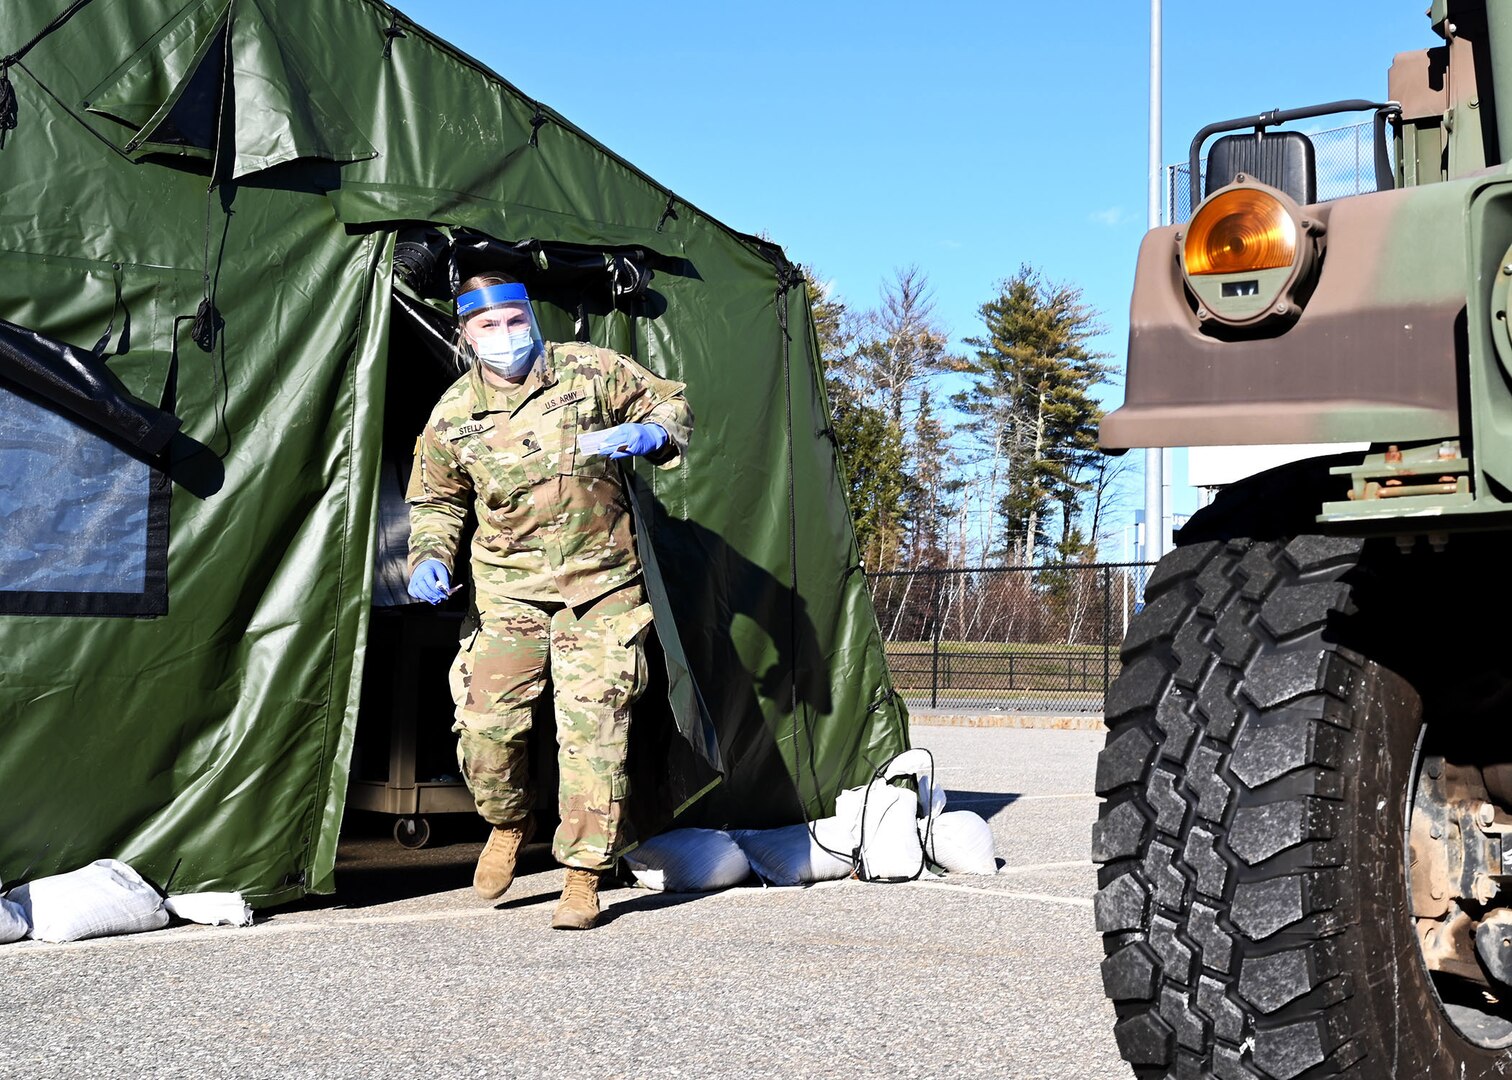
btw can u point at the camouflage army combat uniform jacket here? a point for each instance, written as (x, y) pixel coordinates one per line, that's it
(554, 522)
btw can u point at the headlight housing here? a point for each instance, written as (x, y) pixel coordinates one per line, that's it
(1249, 256)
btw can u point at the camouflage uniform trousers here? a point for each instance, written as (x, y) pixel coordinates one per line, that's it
(596, 658)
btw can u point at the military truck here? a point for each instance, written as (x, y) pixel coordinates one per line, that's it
(1307, 781)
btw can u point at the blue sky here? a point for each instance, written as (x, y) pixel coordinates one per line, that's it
(964, 138)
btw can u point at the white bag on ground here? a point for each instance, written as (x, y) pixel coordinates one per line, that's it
(211, 908)
(689, 860)
(837, 834)
(961, 843)
(884, 818)
(790, 856)
(105, 897)
(13, 926)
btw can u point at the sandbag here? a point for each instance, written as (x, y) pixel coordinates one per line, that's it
(689, 860)
(211, 908)
(889, 838)
(105, 897)
(838, 835)
(883, 820)
(13, 925)
(790, 856)
(960, 842)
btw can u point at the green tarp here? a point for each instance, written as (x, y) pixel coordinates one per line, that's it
(268, 155)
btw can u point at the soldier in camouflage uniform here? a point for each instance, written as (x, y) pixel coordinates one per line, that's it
(556, 579)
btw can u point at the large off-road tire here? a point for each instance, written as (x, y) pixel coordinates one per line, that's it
(1253, 888)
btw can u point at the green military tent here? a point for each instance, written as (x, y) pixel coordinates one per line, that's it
(228, 234)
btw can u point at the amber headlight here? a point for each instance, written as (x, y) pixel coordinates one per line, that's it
(1247, 255)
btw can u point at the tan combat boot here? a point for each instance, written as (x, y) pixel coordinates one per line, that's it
(496, 864)
(579, 906)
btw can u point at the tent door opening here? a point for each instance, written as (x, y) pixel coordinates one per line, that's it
(404, 760)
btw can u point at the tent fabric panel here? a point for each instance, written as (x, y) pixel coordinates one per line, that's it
(727, 514)
(285, 107)
(476, 144)
(253, 664)
(138, 90)
(150, 220)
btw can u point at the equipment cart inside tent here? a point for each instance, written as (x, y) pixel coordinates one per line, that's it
(404, 762)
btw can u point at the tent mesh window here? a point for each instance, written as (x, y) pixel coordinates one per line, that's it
(83, 523)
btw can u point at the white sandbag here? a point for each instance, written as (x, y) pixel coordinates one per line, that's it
(919, 764)
(790, 856)
(105, 897)
(889, 836)
(931, 798)
(960, 842)
(211, 908)
(887, 832)
(689, 860)
(13, 926)
(837, 834)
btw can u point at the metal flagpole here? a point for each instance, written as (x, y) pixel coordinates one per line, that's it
(1154, 457)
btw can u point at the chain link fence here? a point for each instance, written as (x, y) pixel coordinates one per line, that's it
(1032, 639)
(1345, 159)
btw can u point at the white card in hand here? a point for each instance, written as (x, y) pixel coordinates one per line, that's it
(599, 442)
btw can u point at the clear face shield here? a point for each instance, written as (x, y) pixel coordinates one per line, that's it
(499, 325)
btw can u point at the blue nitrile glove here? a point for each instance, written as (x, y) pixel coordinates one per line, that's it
(430, 582)
(637, 439)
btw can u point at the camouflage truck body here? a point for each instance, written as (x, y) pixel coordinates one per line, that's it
(1307, 781)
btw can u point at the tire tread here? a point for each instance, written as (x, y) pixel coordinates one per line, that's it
(1216, 846)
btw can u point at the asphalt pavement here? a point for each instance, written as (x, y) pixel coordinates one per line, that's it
(406, 973)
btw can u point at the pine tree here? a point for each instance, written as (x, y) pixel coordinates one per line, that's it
(1031, 406)
(878, 369)
(930, 488)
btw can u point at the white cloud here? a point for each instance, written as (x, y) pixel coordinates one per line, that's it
(1112, 217)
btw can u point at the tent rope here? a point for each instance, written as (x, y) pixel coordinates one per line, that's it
(670, 214)
(785, 274)
(787, 277)
(9, 112)
(536, 123)
(206, 318)
(393, 31)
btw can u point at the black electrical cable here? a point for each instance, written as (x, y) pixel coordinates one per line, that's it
(206, 317)
(926, 843)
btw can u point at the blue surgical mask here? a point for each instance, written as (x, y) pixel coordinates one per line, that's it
(511, 355)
